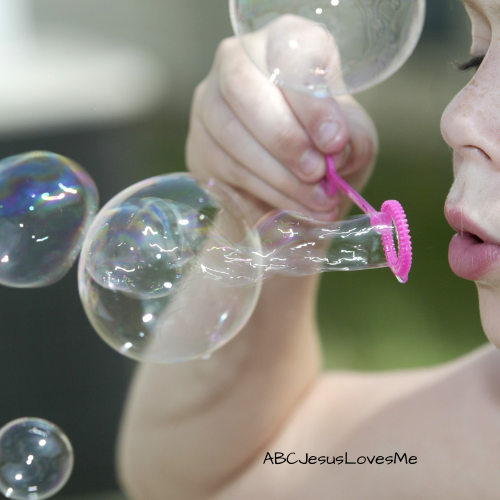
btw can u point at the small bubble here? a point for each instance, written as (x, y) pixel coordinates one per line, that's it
(31, 464)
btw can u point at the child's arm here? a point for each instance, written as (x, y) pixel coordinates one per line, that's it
(191, 428)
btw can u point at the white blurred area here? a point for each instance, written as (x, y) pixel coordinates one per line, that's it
(84, 61)
(182, 34)
(15, 22)
(58, 76)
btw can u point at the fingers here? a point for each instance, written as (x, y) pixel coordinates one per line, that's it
(361, 151)
(266, 114)
(322, 119)
(363, 142)
(271, 142)
(231, 136)
(203, 150)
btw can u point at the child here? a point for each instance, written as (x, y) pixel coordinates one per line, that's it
(258, 420)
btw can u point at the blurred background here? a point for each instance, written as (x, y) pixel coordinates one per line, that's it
(108, 83)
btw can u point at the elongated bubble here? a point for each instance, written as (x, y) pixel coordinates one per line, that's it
(36, 459)
(171, 268)
(297, 245)
(46, 205)
(328, 47)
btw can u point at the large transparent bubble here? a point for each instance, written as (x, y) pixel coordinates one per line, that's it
(328, 47)
(36, 459)
(46, 205)
(171, 268)
(142, 279)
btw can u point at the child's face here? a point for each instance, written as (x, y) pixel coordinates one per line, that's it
(471, 126)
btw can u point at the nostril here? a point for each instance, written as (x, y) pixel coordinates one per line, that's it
(479, 151)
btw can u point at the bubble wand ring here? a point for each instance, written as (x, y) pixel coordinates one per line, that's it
(399, 260)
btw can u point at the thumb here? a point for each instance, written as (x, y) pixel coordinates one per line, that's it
(323, 120)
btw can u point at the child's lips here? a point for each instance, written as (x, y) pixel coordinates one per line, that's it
(473, 252)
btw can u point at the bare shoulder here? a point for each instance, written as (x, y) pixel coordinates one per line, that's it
(421, 434)
(474, 377)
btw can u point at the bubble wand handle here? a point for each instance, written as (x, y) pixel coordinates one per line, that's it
(333, 181)
(399, 259)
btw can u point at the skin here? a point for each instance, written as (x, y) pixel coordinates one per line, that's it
(201, 430)
(470, 125)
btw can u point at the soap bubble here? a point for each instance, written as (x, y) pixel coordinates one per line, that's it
(36, 459)
(146, 245)
(171, 268)
(296, 245)
(141, 277)
(46, 204)
(328, 47)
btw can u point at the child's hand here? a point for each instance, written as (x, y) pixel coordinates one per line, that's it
(270, 142)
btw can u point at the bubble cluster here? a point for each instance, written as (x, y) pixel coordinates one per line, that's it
(141, 280)
(328, 47)
(171, 268)
(46, 204)
(36, 459)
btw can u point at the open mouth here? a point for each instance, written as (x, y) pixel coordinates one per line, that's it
(467, 228)
(473, 253)
(475, 239)
(471, 257)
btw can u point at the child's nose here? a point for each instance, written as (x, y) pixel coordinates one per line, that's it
(471, 122)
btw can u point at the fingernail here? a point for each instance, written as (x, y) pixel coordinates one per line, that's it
(328, 132)
(311, 162)
(319, 195)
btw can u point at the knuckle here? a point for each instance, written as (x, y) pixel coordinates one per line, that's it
(235, 72)
(232, 79)
(224, 49)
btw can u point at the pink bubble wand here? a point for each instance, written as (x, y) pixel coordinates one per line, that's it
(391, 215)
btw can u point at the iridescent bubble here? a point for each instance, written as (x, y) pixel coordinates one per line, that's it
(146, 245)
(46, 205)
(171, 268)
(328, 47)
(36, 459)
(142, 281)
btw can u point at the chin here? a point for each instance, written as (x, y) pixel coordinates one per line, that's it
(489, 306)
